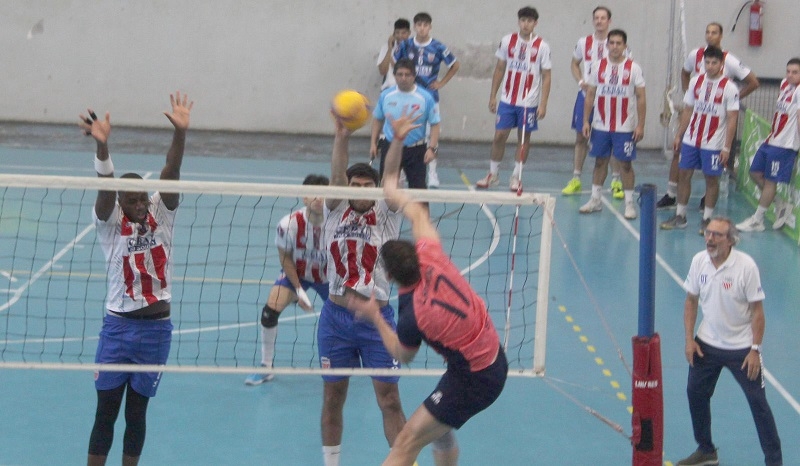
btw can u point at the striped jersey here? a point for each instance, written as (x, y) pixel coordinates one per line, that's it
(354, 241)
(785, 131)
(732, 67)
(138, 257)
(589, 49)
(297, 235)
(711, 100)
(525, 61)
(428, 58)
(444, 310)
(615, 96)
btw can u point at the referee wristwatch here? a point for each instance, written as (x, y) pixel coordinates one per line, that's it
(435, 149)
(756, 348)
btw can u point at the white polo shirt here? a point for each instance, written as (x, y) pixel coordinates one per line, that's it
(725, 296)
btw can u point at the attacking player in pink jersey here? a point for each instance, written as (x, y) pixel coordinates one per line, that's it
(135, 233)
(694, 65)
(355, 230)
(302, 255)
(588, 50)
(436, 305)
(774, 160)
(617, 93)
(523, 68)
(705, 135)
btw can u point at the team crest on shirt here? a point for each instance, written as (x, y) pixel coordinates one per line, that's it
(727, 284)
(703, 279)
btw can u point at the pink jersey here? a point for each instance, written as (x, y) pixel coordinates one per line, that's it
(447, 312)
(615, 96)
(138, 257)
(525, 61)
(785, 131)
(711, 100)
(589, 50)
(354, 241)
(732, 67)
(297, 235)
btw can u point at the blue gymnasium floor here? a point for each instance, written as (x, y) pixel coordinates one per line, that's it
(216, 420)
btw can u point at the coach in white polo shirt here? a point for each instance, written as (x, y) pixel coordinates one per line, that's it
(726, 284)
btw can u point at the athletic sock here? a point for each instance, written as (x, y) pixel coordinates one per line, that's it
(330, 455)
(494, 167)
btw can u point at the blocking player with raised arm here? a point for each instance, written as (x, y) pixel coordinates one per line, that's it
(135, 233)
(705, 135)
(588, 50)
(694, 65)
(436, 305)
(355, 230)
(428, 54)
(301, 252)
(616, 90)
(523, 67)
(775, 158)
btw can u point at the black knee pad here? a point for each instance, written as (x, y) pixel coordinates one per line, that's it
(269, 317)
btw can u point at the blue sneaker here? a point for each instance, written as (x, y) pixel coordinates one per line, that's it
(258, 379)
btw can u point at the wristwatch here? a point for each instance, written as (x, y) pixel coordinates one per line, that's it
(756, 348)
(435, 149)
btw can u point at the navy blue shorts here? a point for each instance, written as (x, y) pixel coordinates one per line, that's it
(462, 394)
(320, 288)
(577, 112)
(345, 342)
(132, 341)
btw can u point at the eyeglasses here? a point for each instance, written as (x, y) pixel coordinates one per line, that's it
(715, 234)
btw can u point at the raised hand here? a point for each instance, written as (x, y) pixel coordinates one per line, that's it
(404, 124)
(98, 129)
(180, 111)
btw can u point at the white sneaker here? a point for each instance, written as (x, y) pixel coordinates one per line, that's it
(433, 179)
(514, 183)
(258, 379)
(488, 181)
(782, 212)
(594, 205)
(630, 211)
(751, 224)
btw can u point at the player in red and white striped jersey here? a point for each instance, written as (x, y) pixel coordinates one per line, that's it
(355, 230)
(694, 64)
(302, 255)
(774, 161)
(523, 68)
(135, 233)
(616, 90)
(705, 134)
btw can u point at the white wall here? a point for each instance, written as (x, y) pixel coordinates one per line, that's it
(272, 65)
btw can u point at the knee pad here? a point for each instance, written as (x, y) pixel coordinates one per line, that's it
(269, 317)
(446, 442)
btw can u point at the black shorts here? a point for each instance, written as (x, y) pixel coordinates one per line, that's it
(412, 162)
(461, 395)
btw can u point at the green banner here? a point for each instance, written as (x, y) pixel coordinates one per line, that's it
(756, 130)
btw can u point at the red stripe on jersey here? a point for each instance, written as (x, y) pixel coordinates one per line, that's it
(587, 48)
(698, 59)
(129, 277)
(713, 126)
(626, 81)
(601, 101)
(300, 238)
(317, 274)
(341, 270)
(515, 88)
(352, 277)
(160, 264)
(125, 226)
(300, 265)
(151, 221)
(511, 44)
(368, 258)
(145, 279)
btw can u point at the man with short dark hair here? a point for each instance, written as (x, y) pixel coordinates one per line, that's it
(136, 235)
(401, 32)
(436, 305)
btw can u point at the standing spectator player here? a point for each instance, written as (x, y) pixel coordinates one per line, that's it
(616, 91)
(428, 54)
(406, 95)
(705, 135)
(135, 233)
(726, 284)
(402, 30)
(355, 230)
(437, 305)
(774, 160)
(301, 252)
(588, 50)
(694, 65)
(523, 66)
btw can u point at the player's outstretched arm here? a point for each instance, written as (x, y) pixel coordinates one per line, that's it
(339, 158)
(100, 130)
(179, 117)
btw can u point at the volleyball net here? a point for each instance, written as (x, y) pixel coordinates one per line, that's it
(53, 273)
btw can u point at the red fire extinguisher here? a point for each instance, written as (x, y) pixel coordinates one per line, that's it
(756, 31)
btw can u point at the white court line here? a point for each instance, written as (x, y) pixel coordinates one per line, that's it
(8, 276)
(51, 263)
(675, 277)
